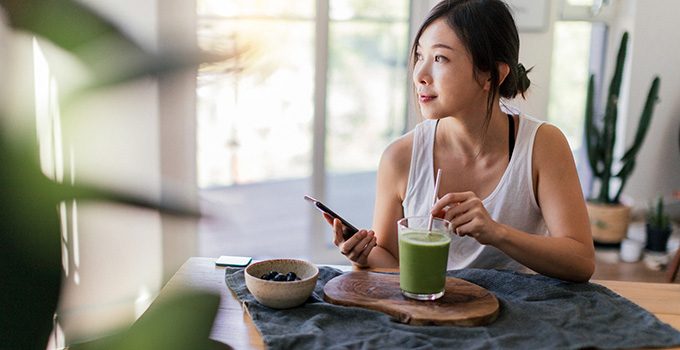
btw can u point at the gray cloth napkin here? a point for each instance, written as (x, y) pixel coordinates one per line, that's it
(536, 312)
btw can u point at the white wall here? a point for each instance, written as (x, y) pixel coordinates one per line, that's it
(654, 39)
(535, 50)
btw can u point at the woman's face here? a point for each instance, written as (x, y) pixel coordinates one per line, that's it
(444, 77)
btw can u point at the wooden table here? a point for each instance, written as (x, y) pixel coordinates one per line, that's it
(234, 327)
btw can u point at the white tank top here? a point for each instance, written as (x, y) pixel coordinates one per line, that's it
(512, 202)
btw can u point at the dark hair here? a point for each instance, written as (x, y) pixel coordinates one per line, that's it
(488, 31)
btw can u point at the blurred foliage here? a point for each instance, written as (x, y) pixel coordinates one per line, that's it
(30, 263)
(181, 322)
(657, 217)
(601, 137)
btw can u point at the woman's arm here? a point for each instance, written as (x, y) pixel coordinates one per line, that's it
(379, 247)
(567, 253)
(391, 184)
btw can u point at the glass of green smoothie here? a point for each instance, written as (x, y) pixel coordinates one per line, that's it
(423, 256)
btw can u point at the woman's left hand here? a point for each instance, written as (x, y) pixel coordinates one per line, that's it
(467, 214)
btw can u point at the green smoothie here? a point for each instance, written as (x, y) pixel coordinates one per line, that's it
(422, 261)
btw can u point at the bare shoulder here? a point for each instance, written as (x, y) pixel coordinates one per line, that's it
(395, 164)
(553, 167)
(551, 146)
(397, 154)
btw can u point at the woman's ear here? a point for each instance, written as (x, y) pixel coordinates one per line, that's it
(485, 81)
(503, 71)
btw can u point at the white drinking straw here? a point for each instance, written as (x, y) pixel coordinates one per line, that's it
(434, 199)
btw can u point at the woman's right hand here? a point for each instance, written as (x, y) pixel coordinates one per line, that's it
(357, 247)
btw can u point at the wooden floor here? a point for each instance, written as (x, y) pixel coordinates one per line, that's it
(268, 220)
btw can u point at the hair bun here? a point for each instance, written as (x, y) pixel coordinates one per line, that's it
(523, 81)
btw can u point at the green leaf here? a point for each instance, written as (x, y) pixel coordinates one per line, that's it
(30, 263)
(68, 24)
(592, 134)
(645, 119)
(182, 321)
(111, 55)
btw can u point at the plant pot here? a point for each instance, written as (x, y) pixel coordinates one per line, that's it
(657, 238)
(608, 222)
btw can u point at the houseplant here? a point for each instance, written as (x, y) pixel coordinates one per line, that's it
(30, 263)
(608, 216)
(658, 227)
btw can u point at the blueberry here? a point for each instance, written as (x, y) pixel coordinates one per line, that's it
(280, 278)
(269, 276)
(291, 276)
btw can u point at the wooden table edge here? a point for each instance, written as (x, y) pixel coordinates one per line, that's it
(636, 292)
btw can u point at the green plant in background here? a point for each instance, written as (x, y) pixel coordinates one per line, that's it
(657, 217)
(600, 139)
(658, 227)
(30, 263)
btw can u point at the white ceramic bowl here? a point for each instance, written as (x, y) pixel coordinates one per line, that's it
(281, 295)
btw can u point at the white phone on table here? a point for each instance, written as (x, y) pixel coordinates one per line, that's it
(233, 261)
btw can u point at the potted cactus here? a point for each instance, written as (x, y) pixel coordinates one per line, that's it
(658, 227)
(608, 216)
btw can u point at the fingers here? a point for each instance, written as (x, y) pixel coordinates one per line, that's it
(329, 219)
(470, 228)
(353, 241)
(462, 222)
(337, 230)
(462, 208)
(363, 257)
(477, 224)
(467, 216)
(462, 219)
(440, 213)
(450, 199)
(359, 246)
(453, 210)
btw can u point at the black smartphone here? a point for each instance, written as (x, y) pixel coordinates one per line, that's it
(349, 229)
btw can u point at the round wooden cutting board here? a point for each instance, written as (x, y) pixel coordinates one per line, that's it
(463, 303)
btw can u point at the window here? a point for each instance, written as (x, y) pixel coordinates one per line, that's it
(579, 44)
(569, 78)
(310, 114)
(368, 44)
(255, 114)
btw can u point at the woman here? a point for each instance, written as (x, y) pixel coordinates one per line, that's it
(509, 184)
